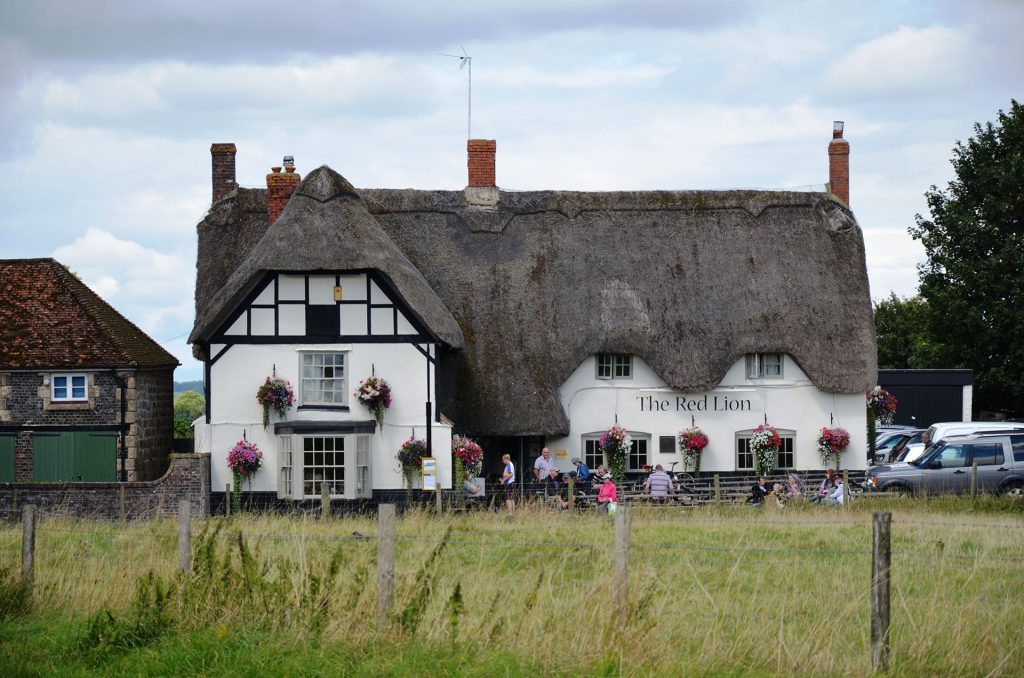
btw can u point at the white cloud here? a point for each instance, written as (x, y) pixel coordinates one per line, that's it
(907, 62)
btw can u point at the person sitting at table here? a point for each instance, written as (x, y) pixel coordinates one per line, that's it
(794, 486)
(553, 490)
(659, 484)
(827, 485)
(469, 488)
(759, 491)
(582, 472)
(608, 491)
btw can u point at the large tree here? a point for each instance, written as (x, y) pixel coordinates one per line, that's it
(901, 326)
(973, 279)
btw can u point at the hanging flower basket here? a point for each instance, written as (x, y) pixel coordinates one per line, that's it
(277, 394)
(615, 444)
(409, 455)
(831, 443)
(244, 460)
(882, 404)
(765, 443)
(375, 393)
(692, 442)
(467, 453)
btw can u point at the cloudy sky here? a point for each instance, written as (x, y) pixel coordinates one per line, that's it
(108, 109)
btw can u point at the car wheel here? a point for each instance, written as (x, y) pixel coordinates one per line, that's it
(1014, 488)
(900, 490)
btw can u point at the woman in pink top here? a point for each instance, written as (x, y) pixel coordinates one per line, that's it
(607, 493)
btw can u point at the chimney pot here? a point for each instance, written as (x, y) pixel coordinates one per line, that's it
(837, 129)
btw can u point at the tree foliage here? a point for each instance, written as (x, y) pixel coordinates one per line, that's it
(973, 279)
(901, 327)
(188, 406)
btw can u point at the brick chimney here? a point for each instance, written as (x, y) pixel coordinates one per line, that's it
(482, 189)
(839, 164)
(223, 157)
(280, 187)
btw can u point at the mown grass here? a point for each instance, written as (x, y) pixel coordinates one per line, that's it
(727, 591)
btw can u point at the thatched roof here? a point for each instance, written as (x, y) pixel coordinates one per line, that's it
(687, 281)
(325, 226)
(51, 319)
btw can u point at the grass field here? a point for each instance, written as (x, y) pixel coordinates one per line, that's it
(730, 591)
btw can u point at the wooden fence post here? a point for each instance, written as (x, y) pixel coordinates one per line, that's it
(718, 489)
(572, 494)
(385, 559)
(28, 544)
(881, 555)
(227, 500)
(185, 535)
(846, 489)
(437, 491)
(974, 479)
(620, 581)
(325, 500)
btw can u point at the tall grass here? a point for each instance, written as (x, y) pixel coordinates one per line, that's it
(731, 590)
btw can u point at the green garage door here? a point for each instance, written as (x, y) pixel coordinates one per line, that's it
(78, 456)
(6, 459)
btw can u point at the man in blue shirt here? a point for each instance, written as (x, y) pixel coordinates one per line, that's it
(582, 472)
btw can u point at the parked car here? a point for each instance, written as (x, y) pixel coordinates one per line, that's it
(945, 429)
(946, 467)
(889, 446)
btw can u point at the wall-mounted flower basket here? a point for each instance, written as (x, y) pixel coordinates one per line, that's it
(615, 444)
(832, 443)
(692, 442)
(765, 443)
(276, 394)
(375, 393)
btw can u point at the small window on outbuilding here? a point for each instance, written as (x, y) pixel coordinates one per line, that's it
(68, 387)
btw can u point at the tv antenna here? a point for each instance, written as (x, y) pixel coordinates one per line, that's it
(466, 61)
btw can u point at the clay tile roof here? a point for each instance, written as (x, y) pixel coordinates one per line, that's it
(51, 319)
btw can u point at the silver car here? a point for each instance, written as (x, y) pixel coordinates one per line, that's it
(946, 467)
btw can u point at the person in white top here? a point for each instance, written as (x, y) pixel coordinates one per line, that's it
(508, 482)
(542, 467)
(835, 497)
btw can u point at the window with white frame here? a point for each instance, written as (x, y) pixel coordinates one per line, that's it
(363, 488)
(285, 487)
(323, 378)
(323, 461)
(592, 454)
(68, 387)
(785, 458)
(635, 460)
(764, 365)
(614, 366)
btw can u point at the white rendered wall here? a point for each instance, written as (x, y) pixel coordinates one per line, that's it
(240, 371)
(645, 404)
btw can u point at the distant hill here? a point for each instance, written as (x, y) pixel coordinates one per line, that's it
(182, 386)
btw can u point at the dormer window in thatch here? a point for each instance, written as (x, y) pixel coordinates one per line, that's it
(614, 366)
(764, 366)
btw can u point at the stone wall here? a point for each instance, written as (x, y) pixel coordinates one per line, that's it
(187, 478)
(152, 423)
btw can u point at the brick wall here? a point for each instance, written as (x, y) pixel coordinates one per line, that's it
(839, 169)
(153, 423)
(187, 478)
(223, 160)
(29, 401)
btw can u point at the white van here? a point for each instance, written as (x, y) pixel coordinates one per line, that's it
(945, 429)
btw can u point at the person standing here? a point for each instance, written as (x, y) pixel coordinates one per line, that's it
(508, 482)
(542, 467)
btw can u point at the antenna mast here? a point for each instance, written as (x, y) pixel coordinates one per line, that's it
(466, 61)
